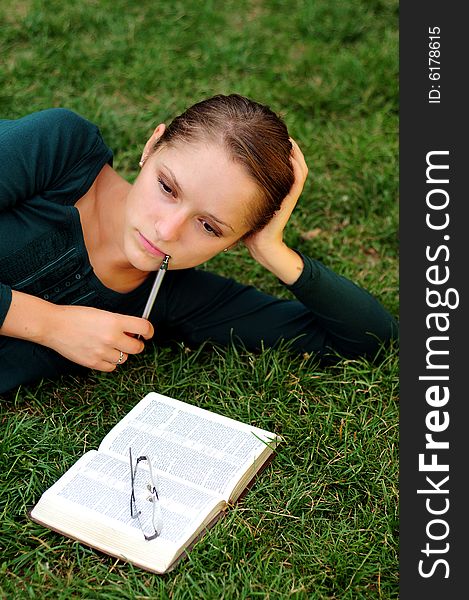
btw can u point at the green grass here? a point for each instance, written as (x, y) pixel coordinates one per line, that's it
(322, 520)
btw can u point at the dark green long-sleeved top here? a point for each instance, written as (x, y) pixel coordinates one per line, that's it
(48, 160)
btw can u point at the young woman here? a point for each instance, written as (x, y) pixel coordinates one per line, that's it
(79, 244)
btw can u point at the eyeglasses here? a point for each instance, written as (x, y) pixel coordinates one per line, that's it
(144, 499)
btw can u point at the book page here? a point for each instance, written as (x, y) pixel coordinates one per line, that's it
(189, 443)
(99, 485)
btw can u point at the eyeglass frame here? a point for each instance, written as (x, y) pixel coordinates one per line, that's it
(154, 499)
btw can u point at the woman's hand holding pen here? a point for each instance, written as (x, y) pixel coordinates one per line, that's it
(99, 339)
(91, 337)
(267, 246)
(88, 336)
(96, 338)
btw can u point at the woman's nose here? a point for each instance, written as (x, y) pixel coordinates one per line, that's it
(169, 226)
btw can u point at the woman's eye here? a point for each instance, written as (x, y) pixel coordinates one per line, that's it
(209, 229)
(166, 189)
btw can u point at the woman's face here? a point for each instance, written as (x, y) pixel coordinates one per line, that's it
(189, 201)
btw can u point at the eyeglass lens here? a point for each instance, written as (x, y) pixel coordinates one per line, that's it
(144, 498)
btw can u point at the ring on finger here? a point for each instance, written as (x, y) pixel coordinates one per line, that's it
(121, 358)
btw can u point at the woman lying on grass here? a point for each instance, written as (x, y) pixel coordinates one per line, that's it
(79, 244)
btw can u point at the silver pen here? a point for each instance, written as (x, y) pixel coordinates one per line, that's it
(156, 286)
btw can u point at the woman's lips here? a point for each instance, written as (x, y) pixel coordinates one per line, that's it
(149, 247)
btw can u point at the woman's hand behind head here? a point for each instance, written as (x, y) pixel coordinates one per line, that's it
(266, 240)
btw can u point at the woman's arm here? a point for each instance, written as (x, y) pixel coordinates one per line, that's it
(87, 336)
(39, 150)
(54, 154)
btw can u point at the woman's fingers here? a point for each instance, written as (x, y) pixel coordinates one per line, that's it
(121, 358)
(98, 339)
(299, 163)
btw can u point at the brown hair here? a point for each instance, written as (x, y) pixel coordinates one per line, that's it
(254, 136)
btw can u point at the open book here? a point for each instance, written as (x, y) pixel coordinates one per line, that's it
(200, 462)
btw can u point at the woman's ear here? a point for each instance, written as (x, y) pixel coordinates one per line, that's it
(151, 143)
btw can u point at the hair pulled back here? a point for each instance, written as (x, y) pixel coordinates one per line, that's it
(254, 137)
